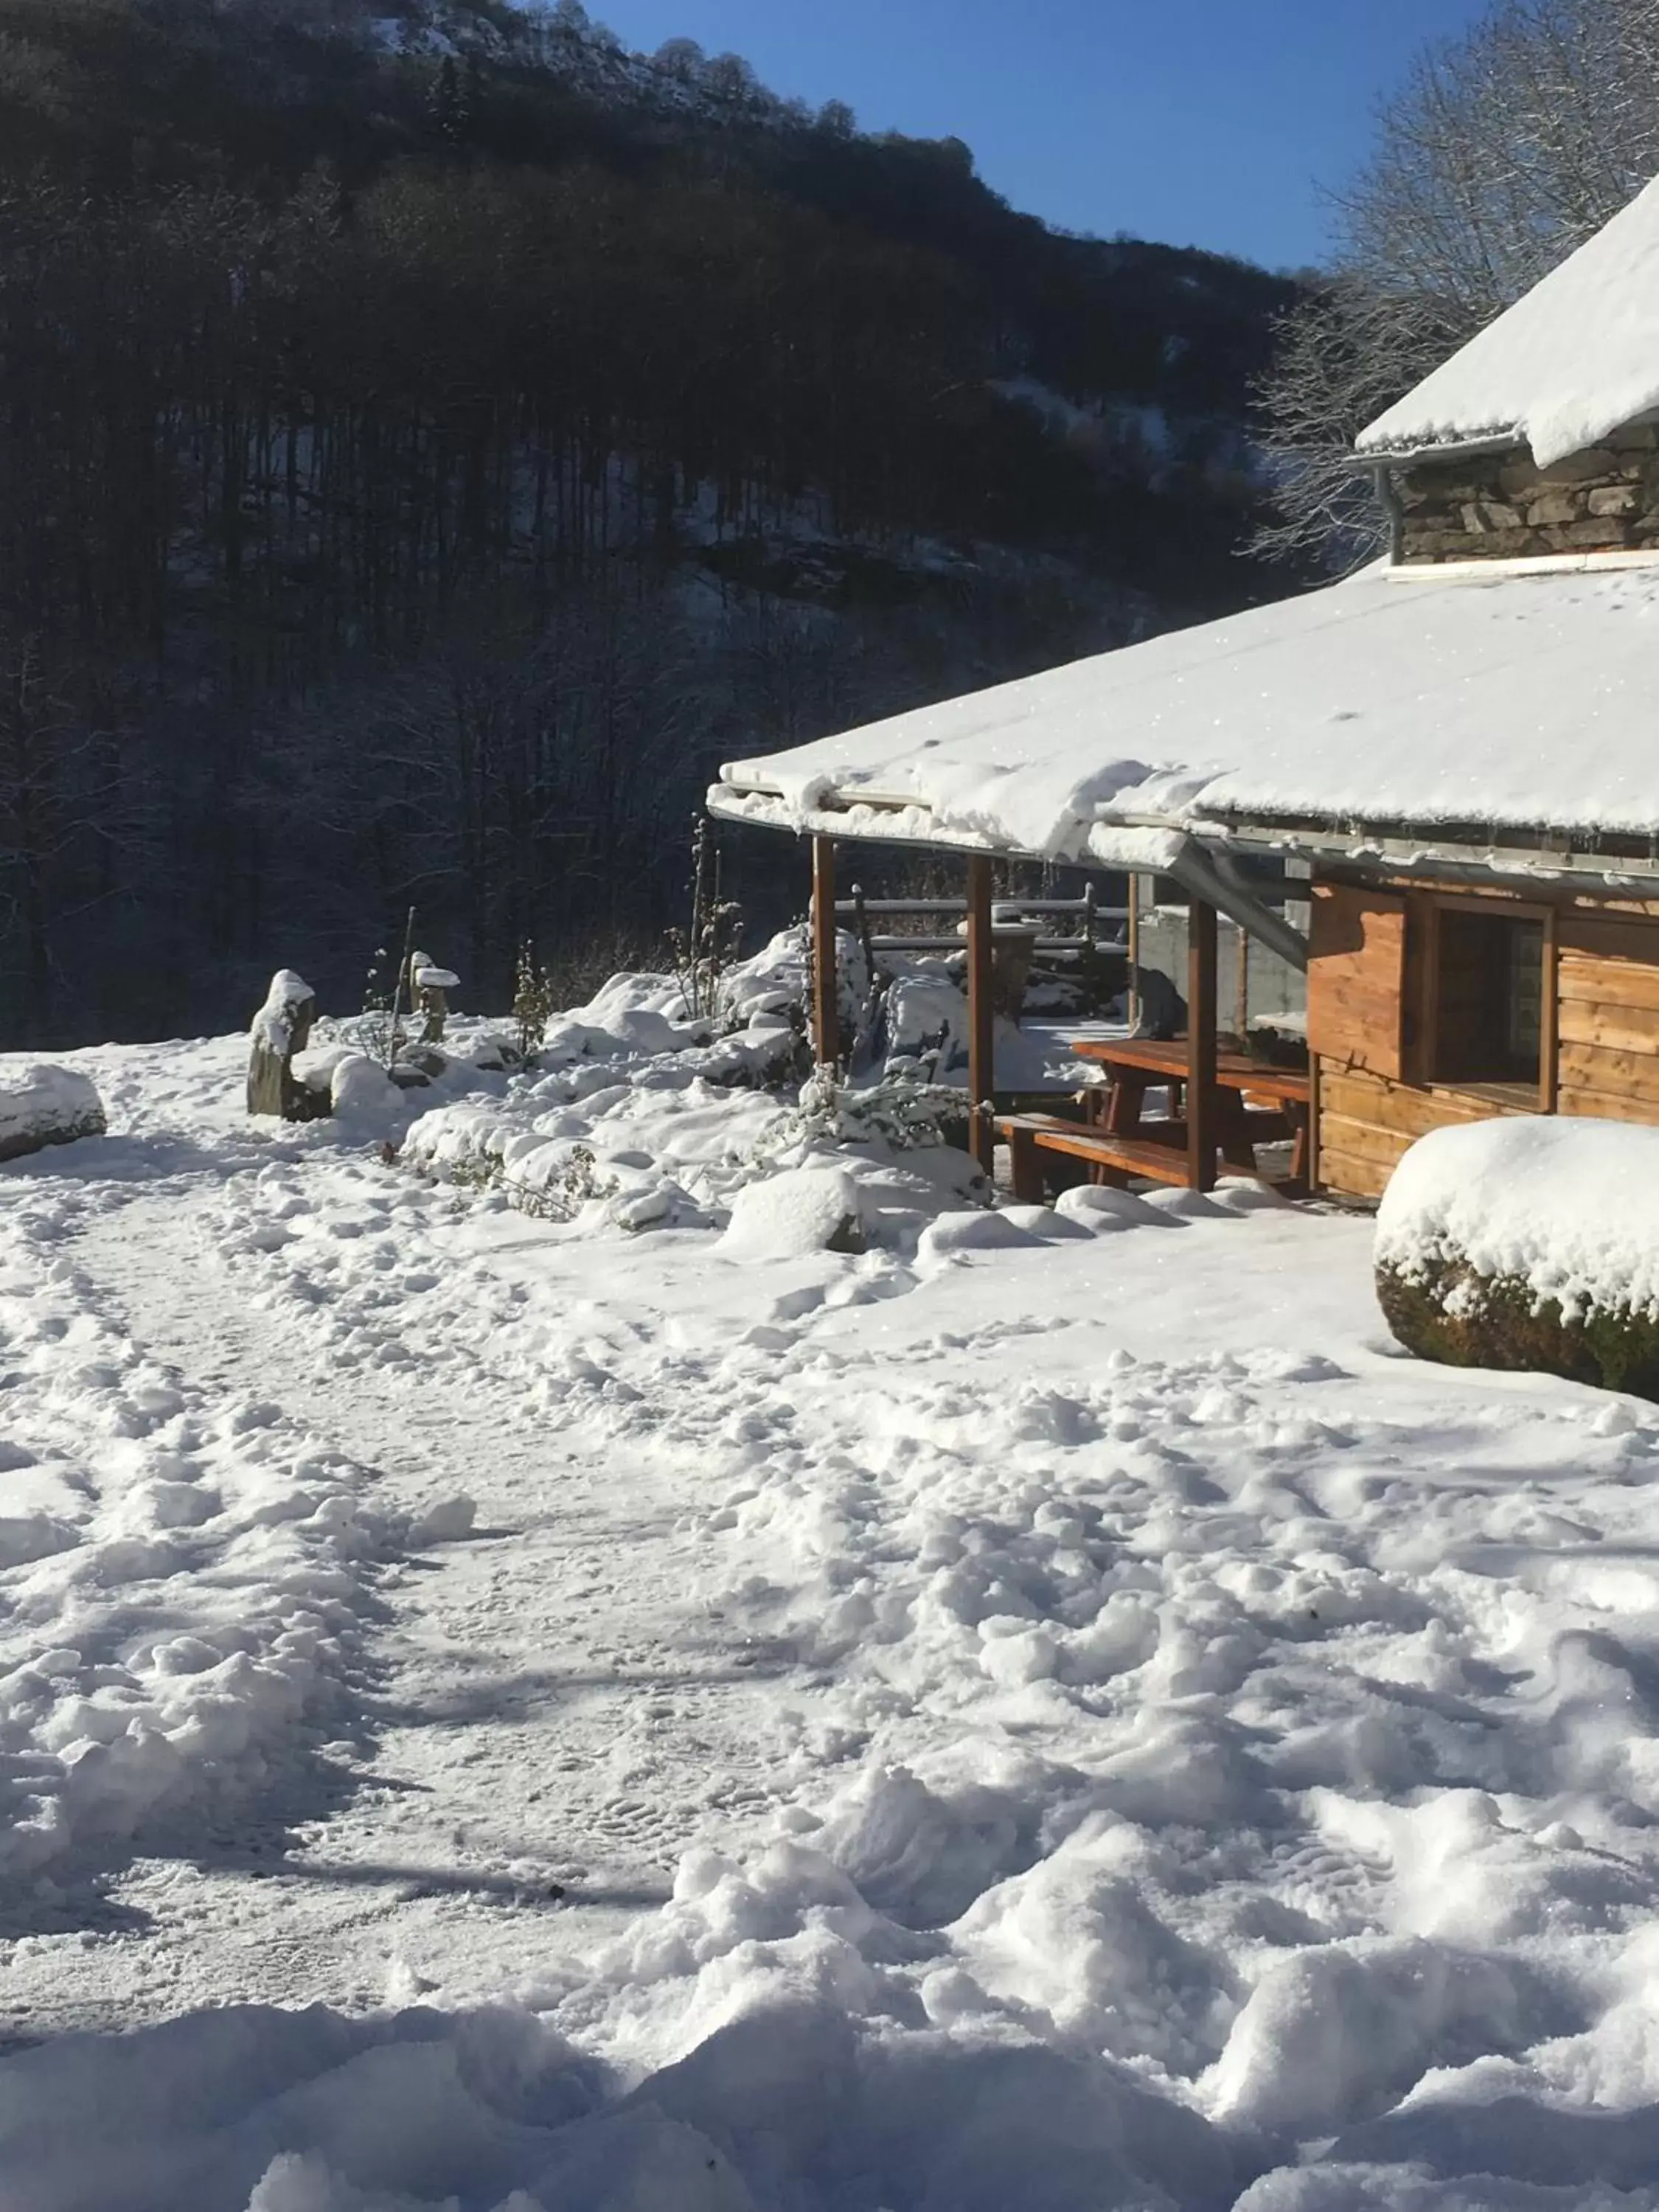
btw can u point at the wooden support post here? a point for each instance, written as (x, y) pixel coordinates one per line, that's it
(981, 1014)
(1201, 1045)
(1132, 938)
(826, 1020)
(1025, 1166)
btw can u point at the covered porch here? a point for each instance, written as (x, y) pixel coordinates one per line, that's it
(1220, 1105)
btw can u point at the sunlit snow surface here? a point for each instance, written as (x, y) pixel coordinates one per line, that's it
(1030, 1720)
(1568, 1206)
(1518, 700)
(1576, 357)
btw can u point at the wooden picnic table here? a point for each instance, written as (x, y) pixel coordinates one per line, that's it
(1135, 1065)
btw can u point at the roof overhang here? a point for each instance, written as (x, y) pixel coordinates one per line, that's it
(1202, 854)
(1125, 848)
(878, 818)
(1507, 725)
(1449, 449)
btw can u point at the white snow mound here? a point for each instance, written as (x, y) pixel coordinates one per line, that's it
(1571, 1207)
(43, 1105)
(788, 1216)
(360, 1086)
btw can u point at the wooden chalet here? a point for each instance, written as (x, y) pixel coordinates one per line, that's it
(1459, 747)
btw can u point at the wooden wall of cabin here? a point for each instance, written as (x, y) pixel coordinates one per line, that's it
(1370, 1011)
(1607, 1060)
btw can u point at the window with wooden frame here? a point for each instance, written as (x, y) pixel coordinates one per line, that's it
(1484, 1024)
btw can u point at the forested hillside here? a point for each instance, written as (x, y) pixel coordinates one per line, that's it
(429, 442)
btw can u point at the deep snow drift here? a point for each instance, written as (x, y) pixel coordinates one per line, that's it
(1108, 1730)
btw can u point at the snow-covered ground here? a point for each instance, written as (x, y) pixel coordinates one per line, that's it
(1042, 1714)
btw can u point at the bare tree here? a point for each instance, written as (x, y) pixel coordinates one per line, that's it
(1504, 149)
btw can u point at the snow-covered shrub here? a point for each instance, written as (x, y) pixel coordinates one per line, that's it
(924, 1023)
(894, 1112)
(475, 1148)
(773, 981)
(533, 1001)
(378, 1032)
(777, 981)
(707, 945)
(1530, 1243)
(41, 1105)
(569, 1184)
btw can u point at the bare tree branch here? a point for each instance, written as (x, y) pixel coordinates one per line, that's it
(1504, 149)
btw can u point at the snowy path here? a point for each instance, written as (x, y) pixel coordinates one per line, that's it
(1117, 1734)
(549, 1714)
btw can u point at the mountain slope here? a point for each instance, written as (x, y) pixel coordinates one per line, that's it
(426, 438)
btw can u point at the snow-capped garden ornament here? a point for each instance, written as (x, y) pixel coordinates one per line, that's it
(40, 1105)
(430, 985)
(1528, 1243)
(280, 1028)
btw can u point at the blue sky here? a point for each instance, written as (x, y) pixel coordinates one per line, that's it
(1203, 122)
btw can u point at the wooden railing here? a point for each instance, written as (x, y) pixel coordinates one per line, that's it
(1009, 917)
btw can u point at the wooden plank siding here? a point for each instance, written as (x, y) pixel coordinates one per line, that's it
(1607, 1015)
(1600, 1051)
(1356, 962)
(1366, 1123)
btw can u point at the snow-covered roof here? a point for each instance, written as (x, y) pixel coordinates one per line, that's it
(1575, 358)
(1524, 702)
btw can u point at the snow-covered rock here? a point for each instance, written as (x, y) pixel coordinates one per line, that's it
(360, 1090)
(42, 1105)
(786, 1216)
(1530, 1242)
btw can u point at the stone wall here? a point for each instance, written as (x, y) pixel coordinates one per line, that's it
(1501, 506)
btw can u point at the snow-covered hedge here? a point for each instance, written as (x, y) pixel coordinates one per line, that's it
(41, 1106)
(1527, 1243)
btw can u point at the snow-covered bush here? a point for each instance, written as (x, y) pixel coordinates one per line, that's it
(895, 1112)
(41, 1105)
(778, 981)
(926, 1014)
(1530, 1243)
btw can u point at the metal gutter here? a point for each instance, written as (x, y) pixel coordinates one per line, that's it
(1462, 449)
(1421, 855)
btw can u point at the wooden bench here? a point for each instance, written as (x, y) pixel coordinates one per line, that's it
(1114, 1159)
